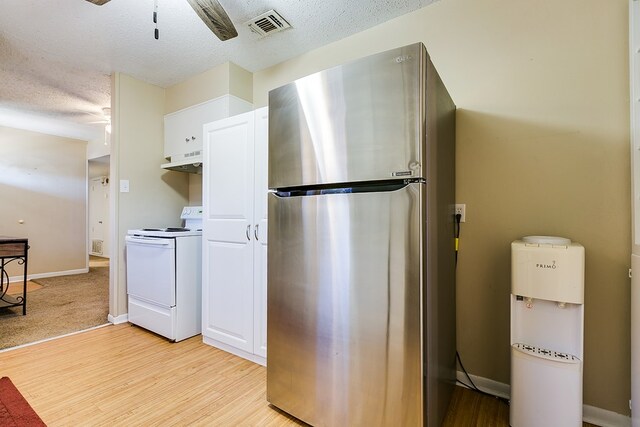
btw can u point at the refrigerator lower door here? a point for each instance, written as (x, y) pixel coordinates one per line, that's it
(345, 307)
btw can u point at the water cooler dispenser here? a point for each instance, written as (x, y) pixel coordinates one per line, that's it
(547, 322)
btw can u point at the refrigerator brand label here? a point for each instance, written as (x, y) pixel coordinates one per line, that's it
(402, 58)
(402, 173)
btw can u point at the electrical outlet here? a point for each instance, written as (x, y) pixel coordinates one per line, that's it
(460, 209)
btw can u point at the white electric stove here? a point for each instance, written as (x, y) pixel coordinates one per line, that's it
(164, 277)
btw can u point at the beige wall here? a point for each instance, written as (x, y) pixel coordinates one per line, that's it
(211, 84)
(240, 82)
(43, 181)
(156, 196)
(227, 78)
(195, 190)
(542, 148)
(224, 79)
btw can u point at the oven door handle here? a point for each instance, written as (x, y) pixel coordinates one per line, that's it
(148, 241)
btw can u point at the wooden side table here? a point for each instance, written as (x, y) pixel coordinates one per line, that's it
(13, 249)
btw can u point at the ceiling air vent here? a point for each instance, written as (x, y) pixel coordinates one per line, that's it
(268, 23)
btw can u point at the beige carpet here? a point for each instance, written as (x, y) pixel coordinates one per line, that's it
(64, 304)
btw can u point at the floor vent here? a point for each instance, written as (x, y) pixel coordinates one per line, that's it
(268, 23)
(96, 247)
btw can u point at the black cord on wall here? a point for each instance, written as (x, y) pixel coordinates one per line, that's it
(458, 217)
(456, 232)
(473, 386)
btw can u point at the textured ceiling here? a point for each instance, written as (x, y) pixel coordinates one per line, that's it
(56, 56)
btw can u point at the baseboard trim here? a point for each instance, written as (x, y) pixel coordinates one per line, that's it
(604, 418)
(14, 279)
(235, 351)
(54, 338)
(590, 414)
(116, 320)
(485, 384)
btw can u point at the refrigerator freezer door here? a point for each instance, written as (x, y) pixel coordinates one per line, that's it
(362, 121)
(344, 307)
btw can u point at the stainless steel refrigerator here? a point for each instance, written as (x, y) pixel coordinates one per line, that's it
(361, 274)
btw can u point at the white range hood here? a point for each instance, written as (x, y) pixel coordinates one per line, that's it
(190, 163)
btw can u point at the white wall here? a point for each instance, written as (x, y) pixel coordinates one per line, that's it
(99, 200)
(99, 147)
(99, 166)
(99, 216)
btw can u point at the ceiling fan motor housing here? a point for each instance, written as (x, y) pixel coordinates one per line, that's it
(98, 2)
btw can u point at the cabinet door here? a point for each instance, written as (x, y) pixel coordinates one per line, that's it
(260, 219)
(183, 129)
(228, 231)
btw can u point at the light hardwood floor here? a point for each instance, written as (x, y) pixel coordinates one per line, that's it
(471, 409)
(98, 261)
(125, 376)
(122, 375)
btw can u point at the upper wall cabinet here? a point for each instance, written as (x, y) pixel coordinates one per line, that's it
(183, 129)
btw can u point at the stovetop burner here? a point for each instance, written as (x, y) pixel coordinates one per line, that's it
(168, 229)
(192, 226)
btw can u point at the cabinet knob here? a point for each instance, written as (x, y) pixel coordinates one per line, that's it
(193, 138)
(186, 140)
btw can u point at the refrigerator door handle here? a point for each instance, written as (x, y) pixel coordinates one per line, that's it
(255, 231)
(368, 187)
(247, 232)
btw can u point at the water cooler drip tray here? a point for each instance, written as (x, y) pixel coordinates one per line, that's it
(546, 354)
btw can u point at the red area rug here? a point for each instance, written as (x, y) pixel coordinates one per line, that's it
(15, 411)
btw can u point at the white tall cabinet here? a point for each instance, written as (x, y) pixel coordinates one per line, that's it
(235, 234)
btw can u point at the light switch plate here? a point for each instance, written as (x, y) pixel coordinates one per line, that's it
(124, 185)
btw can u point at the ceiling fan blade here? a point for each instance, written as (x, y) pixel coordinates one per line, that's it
(214, 16)
(99, 2)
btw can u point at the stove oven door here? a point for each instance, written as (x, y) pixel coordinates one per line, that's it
(151, 270)
(151, 284)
